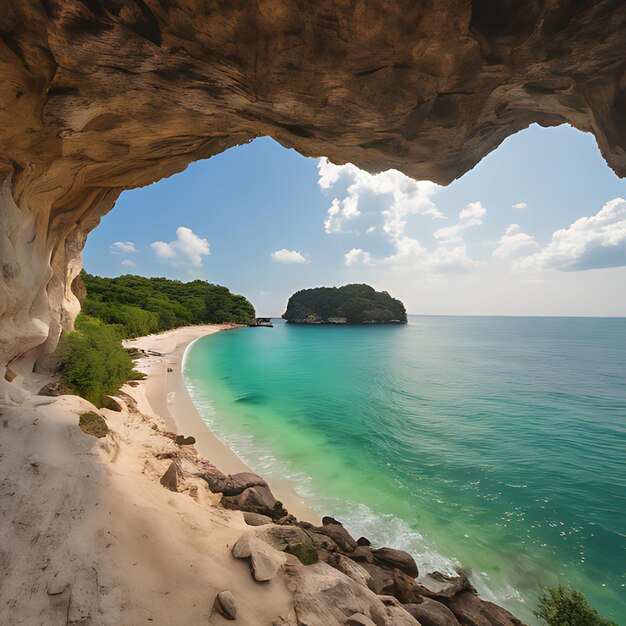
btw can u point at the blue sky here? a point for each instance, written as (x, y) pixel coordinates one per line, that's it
(536, 228)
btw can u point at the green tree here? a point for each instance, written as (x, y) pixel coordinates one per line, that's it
(92, 361)
(564, 606)
(145, 305)
(357, 303)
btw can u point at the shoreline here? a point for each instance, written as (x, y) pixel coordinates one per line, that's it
(164, 394)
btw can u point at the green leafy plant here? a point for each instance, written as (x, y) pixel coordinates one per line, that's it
(564, 606)
(91, 360)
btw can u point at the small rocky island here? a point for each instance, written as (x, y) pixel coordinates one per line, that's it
(350, 304)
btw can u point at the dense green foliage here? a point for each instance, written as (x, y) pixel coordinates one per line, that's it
(564, 606)
(92, 361)
(359, 304)
(140, 306)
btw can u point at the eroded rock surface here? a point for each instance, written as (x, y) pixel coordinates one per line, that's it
(98, 97)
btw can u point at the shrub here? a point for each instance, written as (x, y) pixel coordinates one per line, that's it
(93, 424)
(564, 606)
(304, 552)
(92, 361)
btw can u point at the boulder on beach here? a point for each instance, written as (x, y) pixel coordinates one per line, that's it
(471, 610)
(397, 558)
(432, 613)
(226, 605)
(265, 561)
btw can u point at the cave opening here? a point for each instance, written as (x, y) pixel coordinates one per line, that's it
(259, 222)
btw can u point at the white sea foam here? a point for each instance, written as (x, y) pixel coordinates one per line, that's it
(360, 520)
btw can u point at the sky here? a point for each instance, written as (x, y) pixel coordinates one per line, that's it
(538, 227)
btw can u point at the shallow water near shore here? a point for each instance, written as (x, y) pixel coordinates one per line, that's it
(496, 444)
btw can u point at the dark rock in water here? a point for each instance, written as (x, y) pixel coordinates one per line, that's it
(304, 552)
(470, 610)
(225, 605)
(326, 520)
(181, 440)
(397, 558)
(256, 519)
(432, 613)
(169, 480)
(362, 541)
(253, 398)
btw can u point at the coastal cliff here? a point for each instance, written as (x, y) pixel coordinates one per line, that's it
(350, 304)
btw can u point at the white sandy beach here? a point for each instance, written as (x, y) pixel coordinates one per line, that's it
(89, 535)
(164, 394)
(92, 533)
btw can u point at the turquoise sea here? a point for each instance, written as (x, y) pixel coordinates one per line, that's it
(494, 443)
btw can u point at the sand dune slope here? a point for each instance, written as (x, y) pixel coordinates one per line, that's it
(88, 535)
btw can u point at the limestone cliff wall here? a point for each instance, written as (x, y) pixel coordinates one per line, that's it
(101, 96)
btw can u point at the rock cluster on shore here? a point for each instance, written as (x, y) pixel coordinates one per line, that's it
(129, 523)
(344, 580)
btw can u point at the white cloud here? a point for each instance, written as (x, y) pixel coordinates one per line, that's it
(394, 197)
(471, 215)
(391, 194)
(513, 241)
(452, 259)
(589, 243)
(520, 205)
(186, 249)
(123, 247)
(356, 256)
(288, 256)
(129, 263)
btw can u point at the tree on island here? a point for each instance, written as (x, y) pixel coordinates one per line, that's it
(350, 304)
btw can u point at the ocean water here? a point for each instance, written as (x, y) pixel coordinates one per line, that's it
(495, 444)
